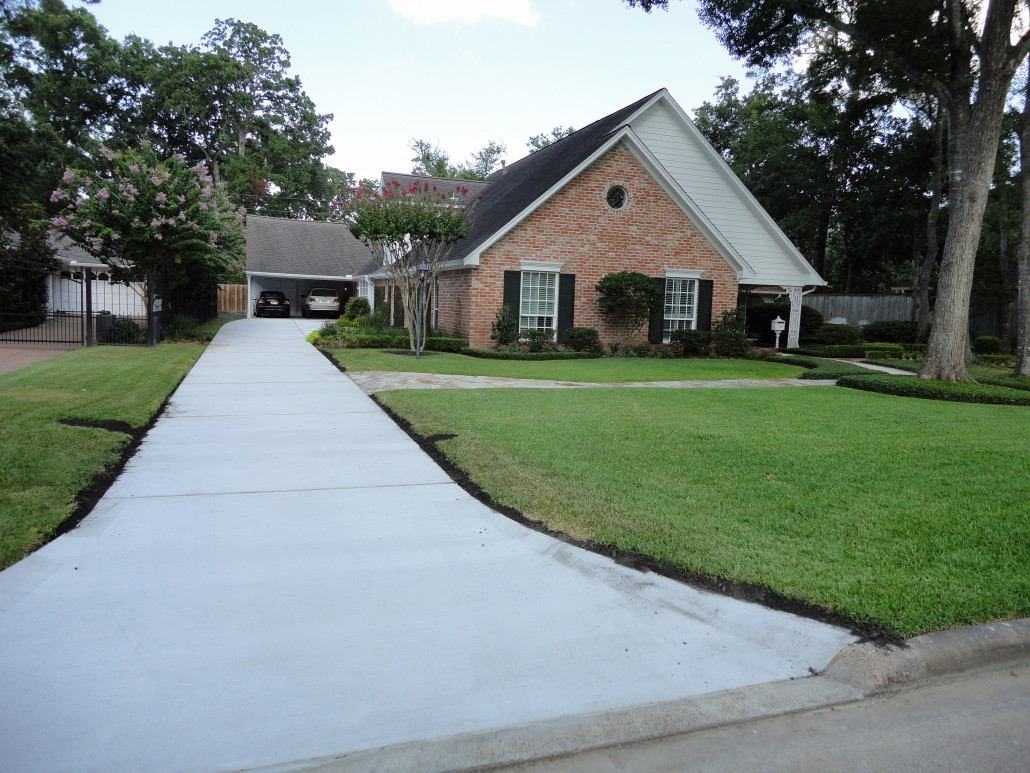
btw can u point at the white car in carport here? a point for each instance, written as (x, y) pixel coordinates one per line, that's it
(321, 300)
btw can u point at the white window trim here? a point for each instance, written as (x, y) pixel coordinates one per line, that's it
(667, 334)
(682, 273)
(557, 290)
(540, 266)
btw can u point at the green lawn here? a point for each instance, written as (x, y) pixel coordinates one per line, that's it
(44, 464)
(909, 514)
(605, 369)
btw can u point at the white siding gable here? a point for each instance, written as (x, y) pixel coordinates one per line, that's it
(713, 187)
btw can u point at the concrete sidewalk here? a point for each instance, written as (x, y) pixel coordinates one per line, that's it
(282, 579)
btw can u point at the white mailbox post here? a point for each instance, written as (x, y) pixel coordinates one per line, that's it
(777, 328)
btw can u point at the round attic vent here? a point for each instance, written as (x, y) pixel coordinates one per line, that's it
(616, 197)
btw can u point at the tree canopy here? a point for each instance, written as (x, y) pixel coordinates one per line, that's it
(66, 88)
(958, 52)
(432, 161)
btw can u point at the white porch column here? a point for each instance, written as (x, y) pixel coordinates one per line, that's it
(794, 327)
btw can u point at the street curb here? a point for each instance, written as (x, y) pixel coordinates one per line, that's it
(875, 669)
(857, 672)
(490, 749)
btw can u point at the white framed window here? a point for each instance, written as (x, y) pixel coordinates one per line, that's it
(538, 300)
(680, 305)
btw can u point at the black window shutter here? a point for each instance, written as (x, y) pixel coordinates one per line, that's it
(513, 291)
(566, 302)
(656, 325)
(704, 304)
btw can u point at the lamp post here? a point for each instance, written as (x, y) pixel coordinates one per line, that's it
(777, 328)
(422, 270)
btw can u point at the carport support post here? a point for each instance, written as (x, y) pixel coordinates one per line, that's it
(794, 327)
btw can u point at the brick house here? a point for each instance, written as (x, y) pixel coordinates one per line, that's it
(639, 190)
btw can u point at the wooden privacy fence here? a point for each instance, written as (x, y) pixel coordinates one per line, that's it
(232, 299)
(861, 309)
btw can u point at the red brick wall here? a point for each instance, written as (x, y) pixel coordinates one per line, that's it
(577, 228)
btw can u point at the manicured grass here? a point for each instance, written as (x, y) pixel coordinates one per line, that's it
(44, 464)
(207, 330)
(908, 514)
(605, 369)
(984, 374)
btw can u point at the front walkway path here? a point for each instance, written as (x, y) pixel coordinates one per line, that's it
(371, 382)
(281, 574)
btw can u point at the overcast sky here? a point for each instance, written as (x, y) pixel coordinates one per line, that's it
(457, 72)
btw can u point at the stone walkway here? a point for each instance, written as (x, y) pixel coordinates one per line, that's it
(381, 381)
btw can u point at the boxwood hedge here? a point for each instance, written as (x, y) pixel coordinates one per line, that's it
(961, 391)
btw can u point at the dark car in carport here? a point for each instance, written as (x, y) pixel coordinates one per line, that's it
(272, 303)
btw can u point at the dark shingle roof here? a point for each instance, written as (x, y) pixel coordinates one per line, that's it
(514, 188)
(305, 247)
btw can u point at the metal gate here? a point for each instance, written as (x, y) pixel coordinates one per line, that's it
(44, 327)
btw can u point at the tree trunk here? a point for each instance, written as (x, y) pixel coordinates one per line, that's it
(922, 298)
(1023, 250)
(974, 131)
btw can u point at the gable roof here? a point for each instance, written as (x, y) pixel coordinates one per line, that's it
(513, 189)
(313, 248)
(678, 156)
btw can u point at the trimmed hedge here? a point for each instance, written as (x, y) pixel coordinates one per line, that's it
(960, 392)
(1010, 382)
(891, 331)
(432, 344)
(839, 334)
(816, 369)
(491, 354)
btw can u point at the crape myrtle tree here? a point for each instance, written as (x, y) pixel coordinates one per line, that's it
(962, 52)
(152, 219)
(407, 227)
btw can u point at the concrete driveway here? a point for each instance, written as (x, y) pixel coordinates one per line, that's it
(282, 576)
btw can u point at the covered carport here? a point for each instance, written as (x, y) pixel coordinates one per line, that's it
(294, 256)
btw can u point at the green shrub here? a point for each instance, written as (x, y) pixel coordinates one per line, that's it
(373, 341)
(495, 354)
(537, 340)
(1003, 360)
(881, 352)
(858, 350)
(960, 391)
(729, 336)
(443, 344)
(895, 331)
(329, 329)
(1010, 381)
(840, 334)
(695, 343)
(629, 297)
(987, 345)
(180, 328)
(816, 368)
(761, 315)
(505, 328)
(581, 339)
(357, 307)
(375, 322)
(123, 331)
